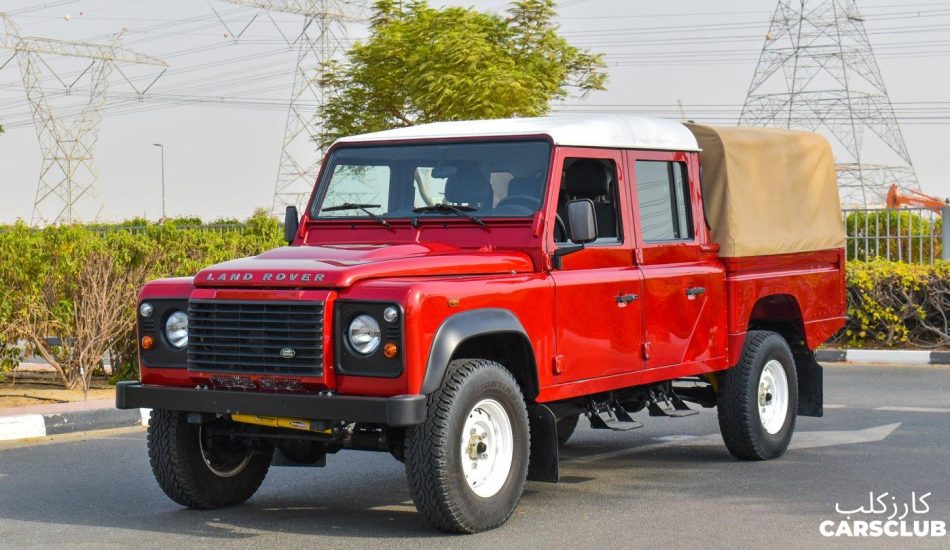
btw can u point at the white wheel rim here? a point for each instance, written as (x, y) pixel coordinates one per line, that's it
(773, 397)
(487, 448)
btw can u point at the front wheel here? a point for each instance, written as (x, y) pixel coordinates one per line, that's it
(467, 463)
(758, 398)
(199, 469)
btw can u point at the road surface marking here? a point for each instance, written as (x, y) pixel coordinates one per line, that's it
(811, 440)
(801, 440)
(830, 406)
(913, 409)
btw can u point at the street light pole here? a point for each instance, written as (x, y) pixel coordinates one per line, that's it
(162, 147)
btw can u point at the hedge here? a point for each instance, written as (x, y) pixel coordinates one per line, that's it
(892, 304)
(64, 281)
(895, 235)
(55, 279)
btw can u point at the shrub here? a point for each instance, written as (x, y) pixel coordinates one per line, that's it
(69, 292)
(10, 356)
(892, 304)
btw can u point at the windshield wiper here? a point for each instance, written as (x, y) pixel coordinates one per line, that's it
(460, 210)
(354, 206)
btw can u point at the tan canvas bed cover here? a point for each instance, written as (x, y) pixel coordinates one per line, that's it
(769, 191)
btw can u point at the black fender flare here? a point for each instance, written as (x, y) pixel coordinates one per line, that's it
(460, 327)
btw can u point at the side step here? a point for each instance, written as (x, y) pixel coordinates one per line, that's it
(668, 404)
(611, 416)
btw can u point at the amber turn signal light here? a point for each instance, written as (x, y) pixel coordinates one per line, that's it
(390, 350)
(147, 342)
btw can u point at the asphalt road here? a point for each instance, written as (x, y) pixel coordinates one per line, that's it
(671, 484)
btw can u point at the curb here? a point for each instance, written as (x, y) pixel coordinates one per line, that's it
(31, 426)
(907, 357)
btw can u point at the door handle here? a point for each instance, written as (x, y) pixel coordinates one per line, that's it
(695, 290)
(626, 298)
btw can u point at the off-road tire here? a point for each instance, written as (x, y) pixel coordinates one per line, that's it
(739, 421)
(566, 427)
(433, 452)
(175, 454)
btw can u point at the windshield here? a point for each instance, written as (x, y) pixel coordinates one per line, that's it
(479, 180)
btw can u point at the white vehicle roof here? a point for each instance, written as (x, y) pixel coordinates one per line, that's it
(594, 130)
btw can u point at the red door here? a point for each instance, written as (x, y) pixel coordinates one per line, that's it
(684, 284)
(597, 290)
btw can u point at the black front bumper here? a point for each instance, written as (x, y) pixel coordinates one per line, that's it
(401, 410)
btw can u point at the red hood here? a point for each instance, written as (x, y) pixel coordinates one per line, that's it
(343, 265)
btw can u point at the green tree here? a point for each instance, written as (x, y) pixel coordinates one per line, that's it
(422, 64)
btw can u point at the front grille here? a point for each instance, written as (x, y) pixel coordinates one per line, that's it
(248, 337)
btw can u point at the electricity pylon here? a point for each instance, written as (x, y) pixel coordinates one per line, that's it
(68, 176)
(817, 71)
(322, 39)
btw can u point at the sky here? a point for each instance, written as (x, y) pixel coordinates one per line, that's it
(221, 107)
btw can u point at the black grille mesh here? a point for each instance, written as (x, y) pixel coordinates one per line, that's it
(248, 337)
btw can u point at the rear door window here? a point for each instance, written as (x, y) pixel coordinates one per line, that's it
(663, 198)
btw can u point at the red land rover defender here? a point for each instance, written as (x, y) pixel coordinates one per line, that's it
(459, 294)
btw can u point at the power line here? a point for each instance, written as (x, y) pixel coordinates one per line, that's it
(235, 82)
(39, 7)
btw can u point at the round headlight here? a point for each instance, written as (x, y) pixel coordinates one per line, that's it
(363, 334)
(176, 329)
(146, 309)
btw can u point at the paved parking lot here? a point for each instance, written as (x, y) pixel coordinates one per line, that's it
(671, 484)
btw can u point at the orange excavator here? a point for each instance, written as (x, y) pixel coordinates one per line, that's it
(897, 198)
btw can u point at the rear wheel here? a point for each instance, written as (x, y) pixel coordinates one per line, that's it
(467, 463)
(758, 398)
(199, 469)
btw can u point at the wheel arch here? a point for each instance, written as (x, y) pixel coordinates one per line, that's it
(779, 313)
(489, 333)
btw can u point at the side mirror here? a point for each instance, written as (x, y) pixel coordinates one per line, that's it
(291, 224)
(582, 221)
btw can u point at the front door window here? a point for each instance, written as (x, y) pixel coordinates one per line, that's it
(594, 179)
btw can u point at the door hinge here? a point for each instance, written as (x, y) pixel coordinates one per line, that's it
(647, 350)
(558, 362)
